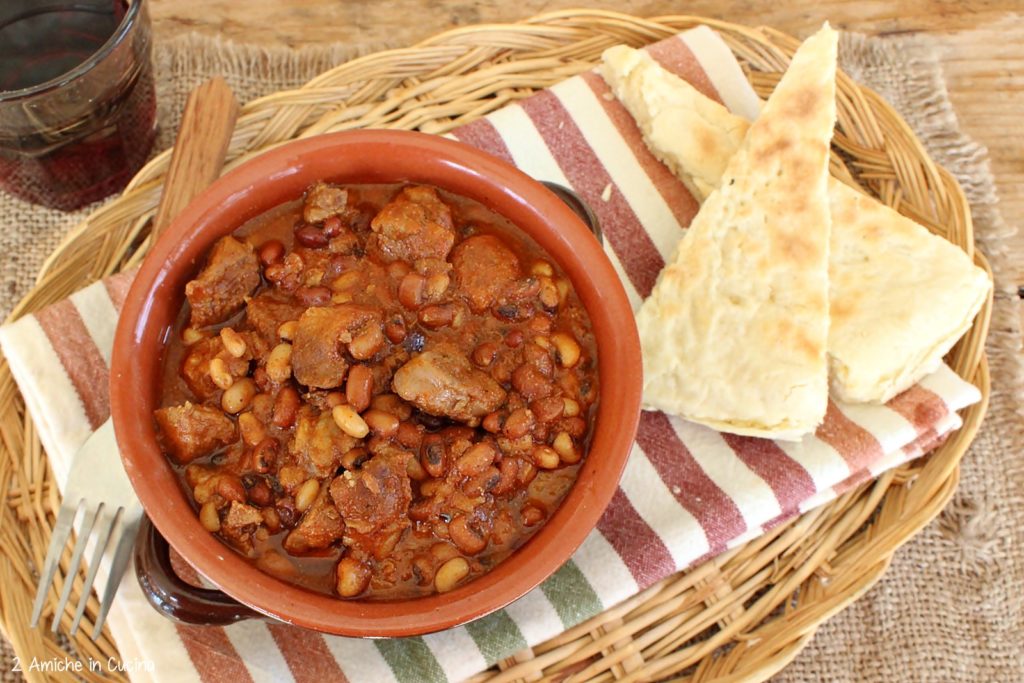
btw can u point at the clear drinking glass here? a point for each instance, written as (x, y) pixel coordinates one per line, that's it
(77, 105)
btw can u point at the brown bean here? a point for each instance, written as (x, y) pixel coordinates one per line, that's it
(531, 383)
(359, 387)
(286, 407)
(503, 528)
(272, 519)
(409, 435)
(532, 515)
(567, 347)
(548, 409)
(392, 403)
(548, 294)
(432, 455)
(382, 423)
(367, 344)
(264, 455)
(259, 494)
(493, 422)
(220, 374)
(423, 569)
(519, 423)
(410, 291)
(435, 287)
(191, 335)
(230, 488)
(353, 577)
(465, 537)
(290, 477)
(514, 339)
(508, 468)
(483, 482)
(527, 472)
(437, 316)
(354, 458)
(311, 237)
(335, 398)
(475, 460)
(332, 226)
(483, 355)
(394, 330)
(271, 251)
(313, 296)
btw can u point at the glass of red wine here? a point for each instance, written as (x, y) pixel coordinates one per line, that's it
(77, 106)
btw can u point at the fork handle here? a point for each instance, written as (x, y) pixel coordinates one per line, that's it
(173, 597)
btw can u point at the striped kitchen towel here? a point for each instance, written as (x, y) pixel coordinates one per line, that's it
(688, 492)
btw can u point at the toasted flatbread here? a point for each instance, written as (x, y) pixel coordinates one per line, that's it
(900, 295)
(734, 332)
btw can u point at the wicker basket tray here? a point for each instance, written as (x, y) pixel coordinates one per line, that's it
(741, 617)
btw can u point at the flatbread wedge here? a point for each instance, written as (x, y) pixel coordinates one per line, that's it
(734, 332)
(900, 296)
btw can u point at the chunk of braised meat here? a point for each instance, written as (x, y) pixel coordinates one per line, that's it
(319, 443)
(317, 351)
(266, 312)
(195, 367)
(320, 526)
(191, 431)
(239, 523)
(441, 381)
(415, 225)
(324, 201)
(374, 500)
(231, 273)
(484, 269)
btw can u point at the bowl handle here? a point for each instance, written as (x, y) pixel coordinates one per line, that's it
(173, 597)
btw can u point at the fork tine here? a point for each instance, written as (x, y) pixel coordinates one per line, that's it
(107, 525)
(76, 559)
(130, 528)
(58, 539)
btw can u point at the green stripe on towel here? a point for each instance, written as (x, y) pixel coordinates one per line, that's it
(496, 635)
(411, 660)
(571, 595)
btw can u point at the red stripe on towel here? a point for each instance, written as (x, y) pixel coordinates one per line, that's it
(921, 407)
(682, 204)
(639, 546)
(856, 445)
(82, 361)
(308, 657)
(621, 227)
(482, 135)
(675, 55)
(693, 488)
(787, 478)
(213, 655)
(117, 287)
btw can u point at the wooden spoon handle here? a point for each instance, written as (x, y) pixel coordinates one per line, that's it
(199, 150)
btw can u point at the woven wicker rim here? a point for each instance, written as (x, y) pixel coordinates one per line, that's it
(740, 617)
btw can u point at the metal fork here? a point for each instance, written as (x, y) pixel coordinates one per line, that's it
(98, 486)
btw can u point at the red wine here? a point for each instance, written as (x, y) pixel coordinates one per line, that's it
(89, 133)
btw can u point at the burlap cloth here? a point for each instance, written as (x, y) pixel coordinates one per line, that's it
(951, 607)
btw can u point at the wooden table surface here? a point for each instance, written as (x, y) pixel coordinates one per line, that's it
(981, 44)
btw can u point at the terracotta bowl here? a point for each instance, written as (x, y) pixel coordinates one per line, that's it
(371, 157)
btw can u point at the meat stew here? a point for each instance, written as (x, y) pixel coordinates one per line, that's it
(379, 391)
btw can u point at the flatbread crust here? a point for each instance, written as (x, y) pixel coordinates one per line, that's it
(734, 332)
(900, 296)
